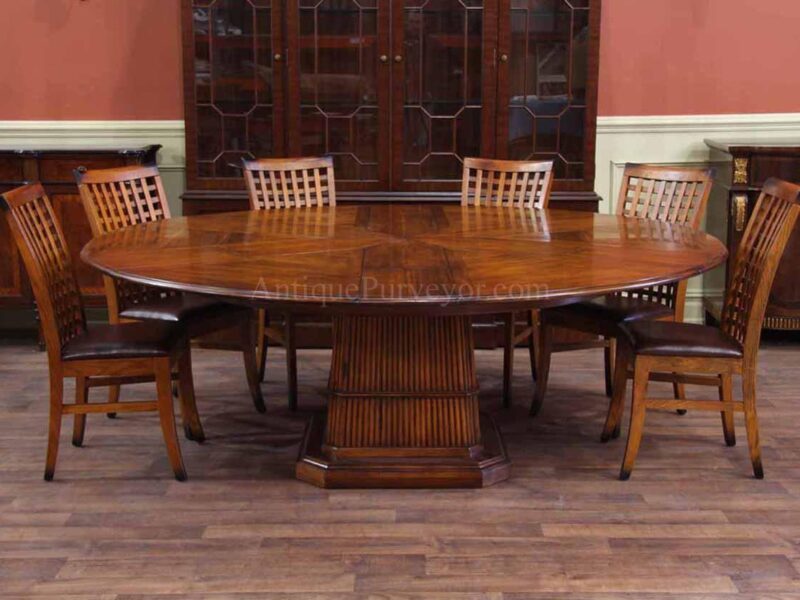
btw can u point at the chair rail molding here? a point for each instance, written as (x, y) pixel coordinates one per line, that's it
(80, 135)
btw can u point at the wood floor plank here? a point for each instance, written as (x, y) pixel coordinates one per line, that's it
(690, 524)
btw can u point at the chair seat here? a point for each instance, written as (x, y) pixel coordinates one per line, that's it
(604, 315)
(617, 309)
(667, 338)
(128, 340)
(180, 308)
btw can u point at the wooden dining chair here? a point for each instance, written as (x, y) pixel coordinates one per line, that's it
(98, 356)
(125, 196)
(706, 355)
(526, 184)
(276, 183)
(666, 194)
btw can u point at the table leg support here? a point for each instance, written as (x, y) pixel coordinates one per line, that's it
(403, 409)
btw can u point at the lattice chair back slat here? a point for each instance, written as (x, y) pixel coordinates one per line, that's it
(756, 262)
(44, 251)
(669, 195)
(506, 183)
(290, 182)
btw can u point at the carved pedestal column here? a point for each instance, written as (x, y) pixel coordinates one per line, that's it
(403, 409)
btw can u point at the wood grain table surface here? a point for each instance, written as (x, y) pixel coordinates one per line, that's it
(472, 259)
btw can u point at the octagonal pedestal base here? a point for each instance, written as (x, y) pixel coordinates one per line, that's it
(403, 467)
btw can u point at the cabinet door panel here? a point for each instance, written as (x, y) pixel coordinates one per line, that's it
(547, 85)
(338, 87)
(442, 49)
(234, 87)
(10, 265)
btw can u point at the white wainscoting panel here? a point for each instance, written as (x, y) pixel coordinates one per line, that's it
(665, 140)
(679, 140)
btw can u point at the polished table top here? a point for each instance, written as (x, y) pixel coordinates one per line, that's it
(411, 256)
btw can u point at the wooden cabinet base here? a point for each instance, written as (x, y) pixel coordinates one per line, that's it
(402, 467)
(402, 408)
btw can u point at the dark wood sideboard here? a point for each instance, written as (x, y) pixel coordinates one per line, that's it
(750, 164)
(53, 168)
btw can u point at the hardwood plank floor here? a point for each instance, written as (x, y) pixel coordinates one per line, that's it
(114, 525)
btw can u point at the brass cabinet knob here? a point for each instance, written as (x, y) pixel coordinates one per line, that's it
(277, 56)
(383, 58)
(504, 58)
(398, 58)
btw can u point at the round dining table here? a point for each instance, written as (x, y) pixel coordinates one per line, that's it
(401, 283)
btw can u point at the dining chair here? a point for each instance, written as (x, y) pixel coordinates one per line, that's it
(276, 183)
(666, 194)
(706, 355)
(102, 355)
(125, 196)
(526, 184)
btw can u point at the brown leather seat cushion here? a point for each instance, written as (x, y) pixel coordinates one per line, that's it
(667, 338)
(128, 340)
(181, 308)
(617, 309)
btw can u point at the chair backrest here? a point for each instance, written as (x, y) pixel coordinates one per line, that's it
(506, 183)
(756, 260)
(671, 194)
(121, 197)
(41, 243)
(290, 182)
(117, 198)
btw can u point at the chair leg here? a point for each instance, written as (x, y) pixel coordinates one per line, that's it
(291, 361)
(113, 398)
(166, 414)
(533, 322)
(616, 407)
(251, 364)
(609, 351)
(262, 343)
(640, 379)
(54, 426)
(726, 395)
(192, 427)
(751, 421)
(508, 357)
(79, 421)
(679, 391)
(544, 345)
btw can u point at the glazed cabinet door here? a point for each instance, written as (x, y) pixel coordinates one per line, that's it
(234, 62)
(443, 62)
(338, 87)
(547, 85)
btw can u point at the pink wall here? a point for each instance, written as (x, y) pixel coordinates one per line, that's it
(90, 59)
(672, 57)
(120, 59)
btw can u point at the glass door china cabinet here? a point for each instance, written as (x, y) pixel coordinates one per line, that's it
(398, 92)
